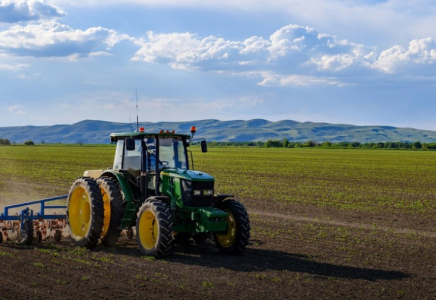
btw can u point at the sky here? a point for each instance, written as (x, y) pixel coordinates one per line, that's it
(337, 61)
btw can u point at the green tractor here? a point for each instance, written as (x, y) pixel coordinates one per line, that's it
(153, 189)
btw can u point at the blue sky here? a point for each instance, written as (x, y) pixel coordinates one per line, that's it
(336, 61)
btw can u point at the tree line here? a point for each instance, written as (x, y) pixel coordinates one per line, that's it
(6, 142)
(285, 143)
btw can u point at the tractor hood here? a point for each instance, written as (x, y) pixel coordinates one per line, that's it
(187, 174)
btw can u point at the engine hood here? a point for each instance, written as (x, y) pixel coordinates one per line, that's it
(187, 174)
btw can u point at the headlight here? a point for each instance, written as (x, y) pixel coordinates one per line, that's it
(208, 192)
(197, 192)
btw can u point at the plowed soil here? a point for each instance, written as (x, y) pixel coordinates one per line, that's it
(305, 254)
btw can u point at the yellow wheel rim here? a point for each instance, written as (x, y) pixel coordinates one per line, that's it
(107, 212)
(227, 239)
(79, 211)
(148, 230)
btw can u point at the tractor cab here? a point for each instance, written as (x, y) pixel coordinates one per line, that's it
(146, 159)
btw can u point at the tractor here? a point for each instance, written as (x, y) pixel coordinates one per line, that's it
(153, 188)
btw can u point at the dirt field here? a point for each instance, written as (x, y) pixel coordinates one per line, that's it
(290, 256)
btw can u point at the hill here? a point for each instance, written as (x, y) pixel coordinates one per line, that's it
(97, 132)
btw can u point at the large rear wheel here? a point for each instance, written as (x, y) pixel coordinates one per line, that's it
(85, 212)
(154, 229)
(113, 211)
(235, 239)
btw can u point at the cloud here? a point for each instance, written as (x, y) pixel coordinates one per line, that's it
(186, 50)
(274, 80)
(294, 55)
(293, 44)
(16, 110)
(283, 59)
(52, 39)
(420, 51)
(9, 67)
(13, 11)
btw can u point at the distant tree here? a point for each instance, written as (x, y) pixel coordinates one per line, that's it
(417, 145)
(343, 144)
(355, 145)
(5, 142)
(29, 143)
(309, 143)
(285, 143)
(380, 145)
(273, 143)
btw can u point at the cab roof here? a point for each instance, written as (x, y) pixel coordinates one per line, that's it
(120, 136)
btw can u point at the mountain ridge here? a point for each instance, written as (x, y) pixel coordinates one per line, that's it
(97, 132)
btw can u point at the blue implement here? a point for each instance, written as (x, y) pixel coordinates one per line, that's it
(39, 215)
(30, 224)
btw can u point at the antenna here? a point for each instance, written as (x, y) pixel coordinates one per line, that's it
(137, 118)
(131, 124)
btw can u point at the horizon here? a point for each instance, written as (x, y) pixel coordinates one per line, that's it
(142, 122)
(345, 62)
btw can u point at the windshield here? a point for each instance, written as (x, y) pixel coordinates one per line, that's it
(171, 153)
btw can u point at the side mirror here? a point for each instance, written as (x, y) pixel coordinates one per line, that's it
(130, 144)
(203, 146)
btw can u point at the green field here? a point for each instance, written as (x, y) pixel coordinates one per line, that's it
(374, 181)
(364, 180)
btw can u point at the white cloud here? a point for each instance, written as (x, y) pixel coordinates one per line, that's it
(100, 53)
(9, 67)
(284, 59)
(52, 39)
(334, 62)
(293, 56)
(420, 51)
(293, 45)
(274, 80)
(16, 110)
(12, 11)
(185, 50)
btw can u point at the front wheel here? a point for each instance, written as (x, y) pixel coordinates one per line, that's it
(154, 229)
(235, 239)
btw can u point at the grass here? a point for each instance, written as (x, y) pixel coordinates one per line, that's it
(343, 179)
(382, 181)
